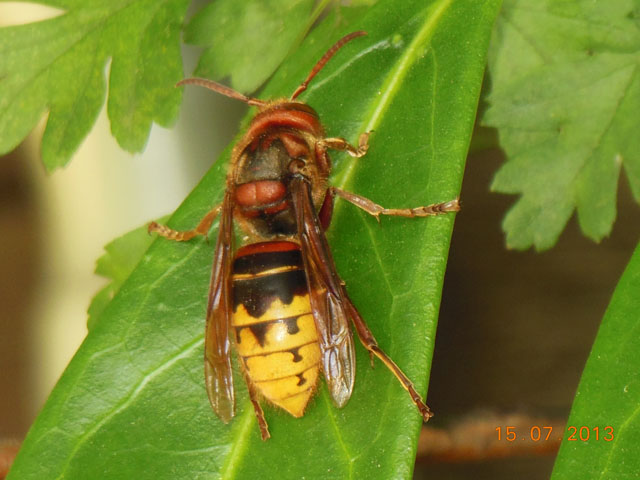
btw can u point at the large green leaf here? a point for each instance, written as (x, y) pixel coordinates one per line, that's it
(132, 402)
(609, 394)
(565, 98)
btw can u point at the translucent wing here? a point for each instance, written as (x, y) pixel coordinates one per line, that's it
(327, 296)
(217, 359)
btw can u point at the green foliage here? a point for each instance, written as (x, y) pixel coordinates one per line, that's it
(132, 402)
(120, 258)
(565, 98)
(259, 32)
(608, 393)
(57, 66)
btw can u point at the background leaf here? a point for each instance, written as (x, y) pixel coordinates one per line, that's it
(609, 393)
(237, 33)
(132, 402)
(120, 258)
(57, 66)
(565, 97)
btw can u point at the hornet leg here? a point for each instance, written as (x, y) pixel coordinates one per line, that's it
(369, 342)
(338, 143)
(262, 423)
(372, 208)
(376, 210)
(182, 236)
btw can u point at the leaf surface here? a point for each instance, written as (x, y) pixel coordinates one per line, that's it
(608, 395)
(565, 99)
(132, 403)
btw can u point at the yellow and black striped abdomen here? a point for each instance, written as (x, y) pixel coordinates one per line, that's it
(276, 336)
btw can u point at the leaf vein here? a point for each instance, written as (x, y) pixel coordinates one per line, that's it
(338, 434)
(397, 74)
(232, 463)
(532, 43)
(184, 352)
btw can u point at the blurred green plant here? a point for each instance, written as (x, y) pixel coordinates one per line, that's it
(608, 395)
(565, 97)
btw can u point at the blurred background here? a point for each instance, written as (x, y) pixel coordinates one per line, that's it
(515, 327)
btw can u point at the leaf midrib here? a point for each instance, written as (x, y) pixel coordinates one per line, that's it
(394, 79)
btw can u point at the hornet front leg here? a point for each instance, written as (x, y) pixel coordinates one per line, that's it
(182, 236)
